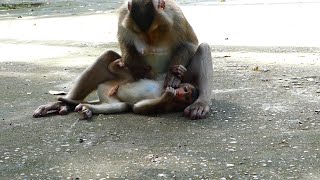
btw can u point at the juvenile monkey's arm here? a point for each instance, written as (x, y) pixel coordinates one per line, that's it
(160, 104)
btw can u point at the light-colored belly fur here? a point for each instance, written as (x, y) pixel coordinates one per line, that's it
(140, 90)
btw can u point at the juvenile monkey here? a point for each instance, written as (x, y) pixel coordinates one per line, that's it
(144, 96)
(107, 102)
(154, 37)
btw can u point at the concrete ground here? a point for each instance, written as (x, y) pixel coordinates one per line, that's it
(264, 121)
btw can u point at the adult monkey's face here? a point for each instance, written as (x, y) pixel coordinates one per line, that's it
(142, 13)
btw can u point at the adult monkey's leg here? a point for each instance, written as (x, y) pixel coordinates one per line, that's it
(87, 82)
(91, 77)
(200, 73)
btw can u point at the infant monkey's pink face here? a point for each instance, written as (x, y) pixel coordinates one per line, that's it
(184, 94)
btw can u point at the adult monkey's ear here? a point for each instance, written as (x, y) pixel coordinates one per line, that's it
(159, 4)
(162, 4)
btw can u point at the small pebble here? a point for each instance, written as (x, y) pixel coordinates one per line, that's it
(230, 165)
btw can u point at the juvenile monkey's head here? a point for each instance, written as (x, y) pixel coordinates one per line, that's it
(186, 93)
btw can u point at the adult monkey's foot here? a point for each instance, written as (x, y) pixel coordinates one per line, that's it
(54, 107)
(197, 110)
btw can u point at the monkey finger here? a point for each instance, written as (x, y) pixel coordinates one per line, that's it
(78, 108)
(170, 92)
(193, 114)
(63, 110)
(182, 71)
(174, 67)
(170, 83)
(165, 84)
(180, 74)
(169, 89)
(178, 69)
(181, 68)
(173, 82)
(199, 113)
(176, 82)
(167, 80)
(205, 112)
(186, 112)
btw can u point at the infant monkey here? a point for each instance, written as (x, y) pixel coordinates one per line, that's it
(144, 96)
(171, 100)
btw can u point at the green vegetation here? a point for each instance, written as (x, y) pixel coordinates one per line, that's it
(9, 6)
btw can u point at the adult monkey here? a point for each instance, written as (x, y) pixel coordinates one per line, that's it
(154, 37)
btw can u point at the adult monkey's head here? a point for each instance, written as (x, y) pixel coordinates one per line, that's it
(143, 12)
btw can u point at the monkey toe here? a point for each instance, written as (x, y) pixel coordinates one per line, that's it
(43, 110)
(40, 111)
(37, 113)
